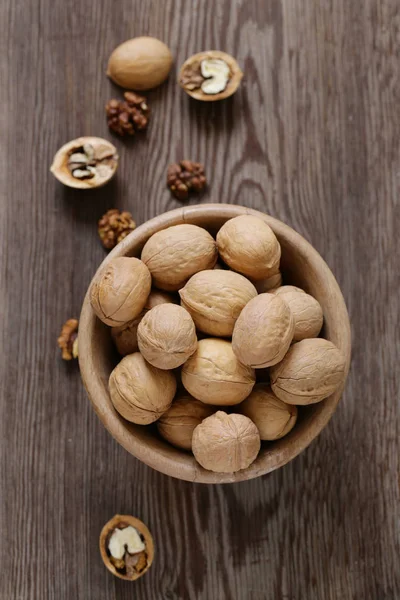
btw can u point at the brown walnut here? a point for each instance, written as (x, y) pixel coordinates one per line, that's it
(68, 339)
(114, 226)
(186, 177)
(125, 117)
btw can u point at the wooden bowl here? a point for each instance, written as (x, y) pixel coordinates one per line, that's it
(301, 265)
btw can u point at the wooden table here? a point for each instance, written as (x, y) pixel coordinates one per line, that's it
(312, 138)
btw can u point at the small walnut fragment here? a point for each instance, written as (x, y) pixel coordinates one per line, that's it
(114, 226)
(126, 547)
(186, 177)
(68, 339)
(125, 117)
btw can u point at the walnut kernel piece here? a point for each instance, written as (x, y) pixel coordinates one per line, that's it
(68, 339)
(114, 226)
(186, 177)
(85, 163)
(126, 547)
(210, 75)
(125, 117)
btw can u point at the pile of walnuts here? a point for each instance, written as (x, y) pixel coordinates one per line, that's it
(245, 357)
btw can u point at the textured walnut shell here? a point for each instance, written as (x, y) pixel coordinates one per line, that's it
(306, 311)
(233, 83)
(248, 245)
(273, 418)
(119, 294)
(125, 521)
(270, 284)
(215, 376)
(125, 336)
(311, 371)
(167, 336)
(226, 443)
(141, 63)
(178, 423)
(215, 299)
(284, 289)
(105, 156)
(263, 331)
(140, 392)
(175, 254)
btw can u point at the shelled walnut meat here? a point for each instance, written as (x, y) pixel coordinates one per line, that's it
(167, 336)
(125, 336)
(114, 226)
(126, 117)
(140, 392)
(226, 443)
(178, 423)
(215, 300)
(126, 547)
(210, 75)
(68, 339)
(312, 370)
(186, 177)
(173, 255)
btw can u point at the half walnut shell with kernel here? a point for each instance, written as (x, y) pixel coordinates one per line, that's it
(85, 163)
(210, 75)
(126, 547)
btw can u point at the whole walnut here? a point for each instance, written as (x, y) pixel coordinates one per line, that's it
(306, 311)
(167, 336)
(140, 392)
(273, 418)
(214, 375)
(215, 299)
(248, 245)
(312, 370)
(119, 294)
(263, 331)
(125, 336)
(178, 423)
(175, 254)
(270, 284)
(226, 443)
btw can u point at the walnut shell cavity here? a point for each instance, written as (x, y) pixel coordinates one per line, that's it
(272, 417)
(248, 245)
(215, 299)
(306, 311)
(125, 336)
(214, 375)
(120, 292)
(226, 443)
(263, 331)
(140, 392)
(85, 163)
(142, 561)
(141, 63)
(178, 423)
(191, 79)
(167, 336)
(174, 254)
(310, 372)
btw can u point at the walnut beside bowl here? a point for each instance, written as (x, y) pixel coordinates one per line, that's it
(301, 265)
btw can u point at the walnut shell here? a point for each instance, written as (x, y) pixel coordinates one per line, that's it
(141, 63)
(215, 299)
(119, 294)
(178, 423)
(270, 284)
(306, 311)
(167, 336)
(263, 331)
(175, 254)
(120, 522)
(248, 245)
(190, 78)
(140, 392)
(215, 376)
(312, 370)
(284, 289)
(125, 336)
(226, 443)
(273, 418)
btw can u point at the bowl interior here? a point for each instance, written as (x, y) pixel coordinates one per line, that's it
(301, 265)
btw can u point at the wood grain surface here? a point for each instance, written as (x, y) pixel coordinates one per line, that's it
(312, 138)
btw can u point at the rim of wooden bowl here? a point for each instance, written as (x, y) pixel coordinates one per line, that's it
(156, 453)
